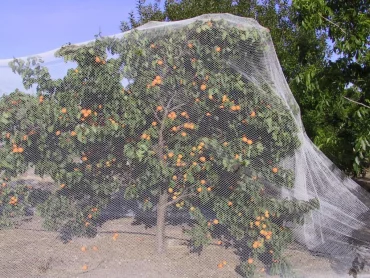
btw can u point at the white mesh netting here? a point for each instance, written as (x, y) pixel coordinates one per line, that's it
(208, 91)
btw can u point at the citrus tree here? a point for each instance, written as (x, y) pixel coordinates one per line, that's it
(194, 129)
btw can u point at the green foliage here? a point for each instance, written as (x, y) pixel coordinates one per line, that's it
(342, 129)
(13, 204)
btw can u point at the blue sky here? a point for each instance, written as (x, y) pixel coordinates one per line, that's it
(35, 26)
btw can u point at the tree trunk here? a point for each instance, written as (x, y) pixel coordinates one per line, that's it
(161, 223)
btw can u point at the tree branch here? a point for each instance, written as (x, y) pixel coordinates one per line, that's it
(359, 103)
(328, 20)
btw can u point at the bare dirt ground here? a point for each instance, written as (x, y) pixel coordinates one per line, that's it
(30, 251)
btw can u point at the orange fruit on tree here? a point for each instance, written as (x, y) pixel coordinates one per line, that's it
(250, 261)
(170, 190)
(199, 189)
(209, 188)
(203, 87)
(253, 114)
(174, 177)
(154, 123)
(218, 49)
(249, 142)
(73, 133)
(202, 159)
(97, 59)
(229, 203)
(203, 182)
(215, 221)
(159, 108)
(160, 62)
(275, 170)
(190, 45)
(64, 110)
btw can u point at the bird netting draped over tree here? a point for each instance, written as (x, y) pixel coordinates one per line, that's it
(206, 124)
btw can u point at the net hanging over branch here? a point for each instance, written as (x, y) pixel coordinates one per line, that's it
(190, 119)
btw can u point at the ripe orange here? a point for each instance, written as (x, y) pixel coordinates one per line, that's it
(183, 134)
(229, 203)
(215, 221)
(249, 142)
(208, 114)
(154, 123)
(245, 139)
(97, 60)
(84, 158)
(275, 170)
(190, 45)
(218, 49)
(159, 108)
(20, 150)
(160, 62)
(253, 114)
(202, 182)
(64, 110)
(202, 159)
(83, 248)
(174, 177)
(73, 133)
(250, 261)
(219, 242)
(203, 87)
(209, 188)
(199, 189)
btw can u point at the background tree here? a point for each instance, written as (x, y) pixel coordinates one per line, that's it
(340, 90)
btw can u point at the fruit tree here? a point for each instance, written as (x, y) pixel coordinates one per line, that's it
(199, 127)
